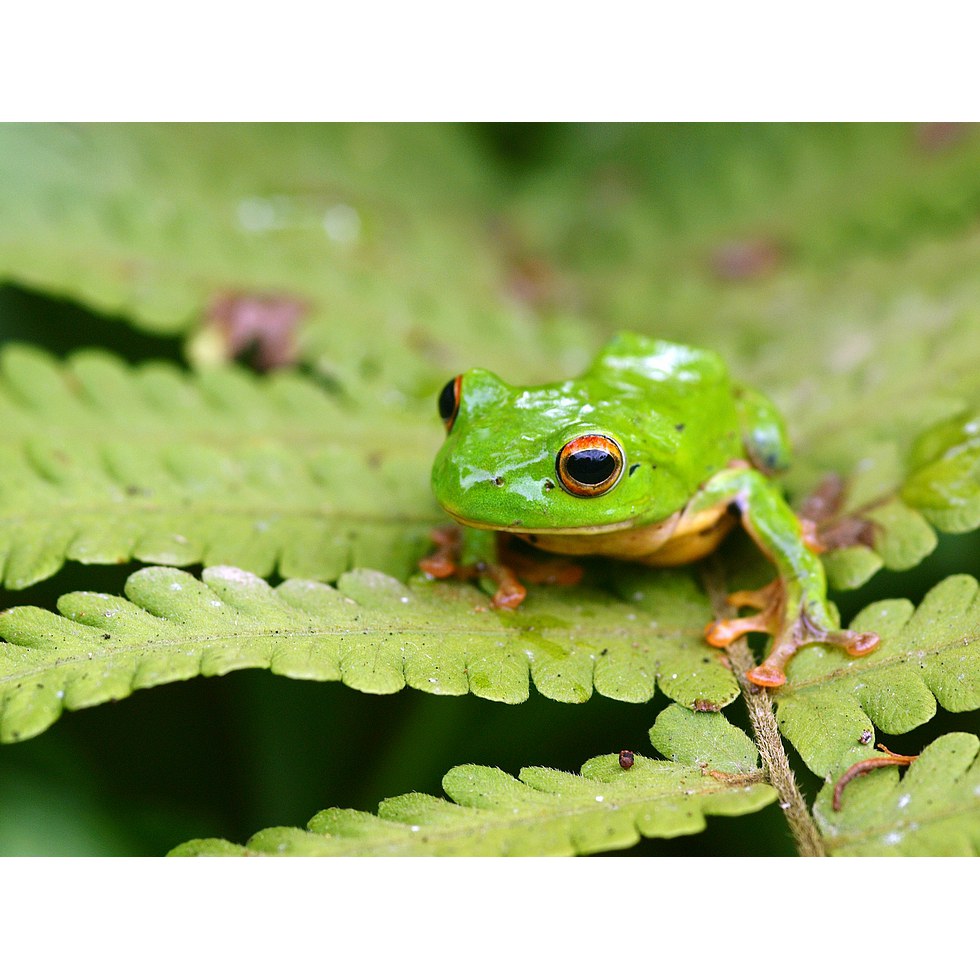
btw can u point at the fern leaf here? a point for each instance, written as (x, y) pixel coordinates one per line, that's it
(101, 463)
(897, 502)
(927, 654)
(371, 632)
(945, 479)
(544, 812)
(932, 809)
(154, 223)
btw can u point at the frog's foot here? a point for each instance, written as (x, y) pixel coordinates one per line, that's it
(789, 633)
(445, 562)
(510, 593)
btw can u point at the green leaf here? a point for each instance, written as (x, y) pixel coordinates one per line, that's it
(851, 567)
(926, 655)
(945, 482)
(542, 812)
(704, 739)
(933, 809)
(156, 223)
(940, 484)
(101, 463)
(371, 632)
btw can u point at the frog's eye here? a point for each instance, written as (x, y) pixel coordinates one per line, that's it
(589, 465)
(449, 401)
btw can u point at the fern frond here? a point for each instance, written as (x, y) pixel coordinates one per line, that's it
(900, 502)
(927, 654)
(153, 223)
(102, 463)
(371, 632)
(543, 811)
(945, 479)
(933, 809)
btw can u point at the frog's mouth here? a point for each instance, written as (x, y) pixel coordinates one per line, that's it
(517, 527)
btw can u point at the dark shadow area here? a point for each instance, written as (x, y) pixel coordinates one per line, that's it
(227, 757)
(61, 326)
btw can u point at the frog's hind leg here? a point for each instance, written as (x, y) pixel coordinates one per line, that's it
(536, 567)
(789, 633)
(444, 562)
(794, 609)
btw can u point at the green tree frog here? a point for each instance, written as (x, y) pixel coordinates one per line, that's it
(652, 455)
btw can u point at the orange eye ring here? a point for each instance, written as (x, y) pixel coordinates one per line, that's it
(590, 465)
(449, 401)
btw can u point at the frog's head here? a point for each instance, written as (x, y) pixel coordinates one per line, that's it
(563, 457)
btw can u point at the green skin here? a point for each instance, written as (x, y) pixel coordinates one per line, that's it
(692, 442)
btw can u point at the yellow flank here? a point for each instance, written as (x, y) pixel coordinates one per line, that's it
(681, 538)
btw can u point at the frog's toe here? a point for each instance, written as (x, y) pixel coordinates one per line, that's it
(723, 632)
(510, 592)
(853, 643)
(438, 566)
(766, 675)
(772, 671)
(763, 598)
(444, 561)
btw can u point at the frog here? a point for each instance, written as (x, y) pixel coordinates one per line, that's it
(652, 455)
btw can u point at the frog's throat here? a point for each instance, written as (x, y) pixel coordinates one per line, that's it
(683, 537)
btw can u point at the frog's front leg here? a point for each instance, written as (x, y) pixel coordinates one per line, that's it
(794, 608)
(468, 553)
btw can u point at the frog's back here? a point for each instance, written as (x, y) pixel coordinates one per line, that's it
(675, 402)
(655, 365)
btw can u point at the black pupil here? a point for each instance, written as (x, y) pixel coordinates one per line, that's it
(590, 466)
(447, 401)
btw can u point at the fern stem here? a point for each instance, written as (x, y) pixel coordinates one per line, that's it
(775, 762)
